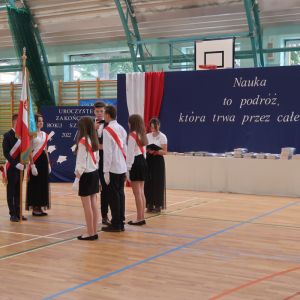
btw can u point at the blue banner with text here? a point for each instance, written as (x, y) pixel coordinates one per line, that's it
(219, 110)
(61, 124)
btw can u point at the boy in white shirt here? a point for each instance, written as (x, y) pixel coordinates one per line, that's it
(114, 168)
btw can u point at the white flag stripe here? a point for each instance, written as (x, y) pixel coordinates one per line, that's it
(135, 93)
(24, 99)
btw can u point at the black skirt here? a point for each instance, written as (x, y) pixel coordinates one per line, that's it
(155, 189)
(139, 170)
(89, 184)
(37, 194)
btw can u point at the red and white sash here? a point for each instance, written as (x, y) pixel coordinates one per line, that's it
(83, 142)
(138, 141)
(14, 152)
(116, 138)
(36, 153)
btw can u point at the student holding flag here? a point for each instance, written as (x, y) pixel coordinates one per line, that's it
(11, 172)
(37, 196)
(114, 168)
(17, 156)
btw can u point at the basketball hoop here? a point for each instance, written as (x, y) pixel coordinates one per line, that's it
(208, 67)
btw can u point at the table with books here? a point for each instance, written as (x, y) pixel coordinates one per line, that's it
(265, 175)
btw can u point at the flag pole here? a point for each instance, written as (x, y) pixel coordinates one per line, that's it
(24, 57)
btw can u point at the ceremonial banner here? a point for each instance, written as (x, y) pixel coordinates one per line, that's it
(26, 126)
(61, 124)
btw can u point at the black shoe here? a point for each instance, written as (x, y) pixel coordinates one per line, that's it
(14, 219)
(110, 229)
(144, 222)
(24, 218)
(137, 223)
(96, 236)
(37, 215)
(44, 214)
(88, 238)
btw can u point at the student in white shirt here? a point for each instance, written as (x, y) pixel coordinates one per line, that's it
(87, 176)
(114, 168)
(155, 189)
(137, 168)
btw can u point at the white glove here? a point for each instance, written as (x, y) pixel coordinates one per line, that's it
(20, 167)
(49, 169)
(106, 178)
(34, 170)
(75, 184)
(128, 176)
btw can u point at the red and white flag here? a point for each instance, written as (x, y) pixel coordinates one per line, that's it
(144, 93)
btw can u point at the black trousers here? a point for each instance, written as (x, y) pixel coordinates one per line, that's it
(116, 197)
(103, 194)
(13, 194)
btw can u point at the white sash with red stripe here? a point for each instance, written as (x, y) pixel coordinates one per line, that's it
(14, 152)
(37, 152)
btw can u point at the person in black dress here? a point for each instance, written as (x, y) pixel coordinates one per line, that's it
(155, 189)
(37, 196)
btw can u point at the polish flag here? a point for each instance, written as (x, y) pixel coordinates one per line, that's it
(144, 92)
(26, 124)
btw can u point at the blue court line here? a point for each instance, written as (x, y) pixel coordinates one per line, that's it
(165, 253)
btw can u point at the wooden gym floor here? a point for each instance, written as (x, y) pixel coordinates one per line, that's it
(204, 246)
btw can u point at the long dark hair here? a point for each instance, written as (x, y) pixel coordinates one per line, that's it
(37, 116)
(137, 124)
(155, 122)
(87, 129)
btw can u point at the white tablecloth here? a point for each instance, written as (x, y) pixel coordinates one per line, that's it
(234, 175)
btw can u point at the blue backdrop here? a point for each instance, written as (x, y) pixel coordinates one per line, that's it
(61, 125)
(219, 110)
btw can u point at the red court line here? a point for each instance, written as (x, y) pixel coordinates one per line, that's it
(251, 283)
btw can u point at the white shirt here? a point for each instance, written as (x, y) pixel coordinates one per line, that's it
(159, 140)
(113, 159)
(132, 151)
(84, 161)
(100, 130)
(38, 142)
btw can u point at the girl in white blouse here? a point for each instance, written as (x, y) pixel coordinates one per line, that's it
(87, 176)
(137, 168)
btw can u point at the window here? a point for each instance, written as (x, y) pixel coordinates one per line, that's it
(105, 71)
(188, 66)
(8, 77)
(237, 62)
(292, 58)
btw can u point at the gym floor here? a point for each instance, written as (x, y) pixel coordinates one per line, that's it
(204, 246)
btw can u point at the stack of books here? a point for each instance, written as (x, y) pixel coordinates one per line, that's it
(273, 156)
(240, 152)
(200, 153)
(250, 155)
(262, 155)
(210, 154)
(189, 153)
(296, 156)
(220, 155)
(229, 154)
(179, 154)
(287, 153)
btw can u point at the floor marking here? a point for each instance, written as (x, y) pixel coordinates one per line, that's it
(167, 252)
(180, 236)
(251, 283)
(22, 233)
